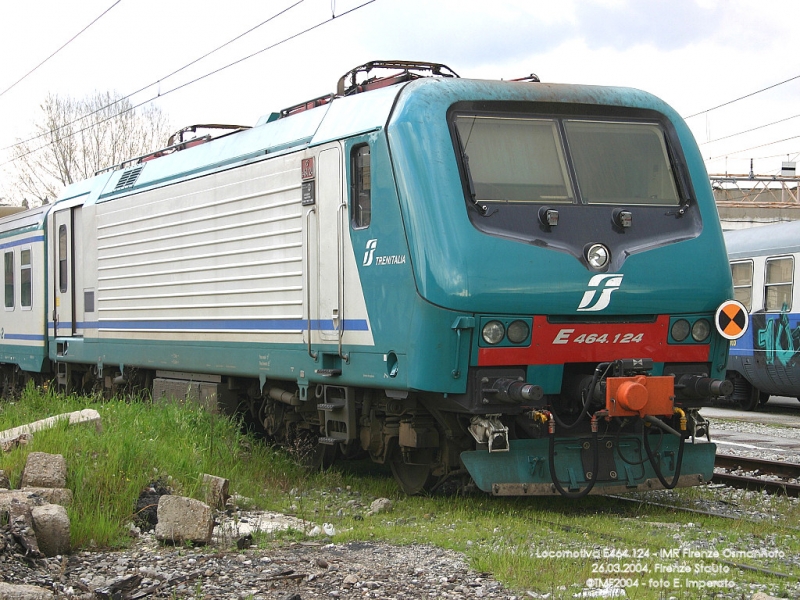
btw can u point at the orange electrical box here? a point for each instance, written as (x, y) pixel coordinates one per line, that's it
(640, 395)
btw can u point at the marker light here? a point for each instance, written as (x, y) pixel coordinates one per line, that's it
(548, 216)
(597, 256)
(622, 218)
(493, 332)
(518, 332)
(680, 330)
(701, 330)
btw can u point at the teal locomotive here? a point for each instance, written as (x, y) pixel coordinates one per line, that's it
(508, 284)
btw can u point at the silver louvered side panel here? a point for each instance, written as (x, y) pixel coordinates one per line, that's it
(216, 254)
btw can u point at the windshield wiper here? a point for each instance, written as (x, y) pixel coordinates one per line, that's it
(481, 208)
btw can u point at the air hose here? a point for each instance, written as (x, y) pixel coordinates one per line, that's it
(552, 461)
(655, 462)
(587, 401)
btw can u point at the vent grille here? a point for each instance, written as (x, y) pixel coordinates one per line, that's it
(129, 177)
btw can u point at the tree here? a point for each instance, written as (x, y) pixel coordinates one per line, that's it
(74, 139)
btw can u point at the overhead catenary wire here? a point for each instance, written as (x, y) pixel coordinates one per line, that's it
(67, 43)
(193, 81)
(750, 130)
(155, 83)
(751, 94)
(794, 137)
(769, 87)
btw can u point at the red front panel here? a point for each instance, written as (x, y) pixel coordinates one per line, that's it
(558, 343)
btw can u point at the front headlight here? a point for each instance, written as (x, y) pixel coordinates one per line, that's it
(701, 330)
(493, 332)
(518, 332)
(680, 330)
(597, 256)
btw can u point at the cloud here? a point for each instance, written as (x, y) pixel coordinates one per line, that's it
(462, 33)
(665, 24)
(468, 32)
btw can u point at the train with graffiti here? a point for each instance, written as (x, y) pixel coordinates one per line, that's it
(514, 285)
(766, 360)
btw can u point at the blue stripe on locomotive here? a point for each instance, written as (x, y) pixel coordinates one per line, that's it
(222, 325)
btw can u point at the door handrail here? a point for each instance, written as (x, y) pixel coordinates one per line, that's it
(311, 352)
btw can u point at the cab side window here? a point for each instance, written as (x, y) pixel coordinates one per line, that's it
(62, 259)
(361, 186)
(8, 260)
(25, 278)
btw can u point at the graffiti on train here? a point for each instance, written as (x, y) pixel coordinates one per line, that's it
(776, 338)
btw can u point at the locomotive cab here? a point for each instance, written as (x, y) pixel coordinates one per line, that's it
(575, 218)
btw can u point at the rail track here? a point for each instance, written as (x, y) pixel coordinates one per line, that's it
(777, 477)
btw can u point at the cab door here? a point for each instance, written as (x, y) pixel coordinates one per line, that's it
(332, 215)
(64, 235)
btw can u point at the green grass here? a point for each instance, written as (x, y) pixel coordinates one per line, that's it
(514, 539)
(141, 442)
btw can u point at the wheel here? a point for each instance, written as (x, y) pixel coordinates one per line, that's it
(413, 479)
(763, 398)
(751, 400)
(745, 394)
(272, 420)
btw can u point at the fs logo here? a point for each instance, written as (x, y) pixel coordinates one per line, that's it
(605, 285)
(370, 253)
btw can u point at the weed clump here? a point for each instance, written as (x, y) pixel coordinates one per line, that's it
(145, 516)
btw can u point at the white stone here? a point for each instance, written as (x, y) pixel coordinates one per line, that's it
(44, 470)
(51, 526)
(182, 519)
(23, 592)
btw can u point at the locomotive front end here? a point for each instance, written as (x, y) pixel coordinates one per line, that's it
(593, 282)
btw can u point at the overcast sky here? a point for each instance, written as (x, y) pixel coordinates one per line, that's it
(695, 54)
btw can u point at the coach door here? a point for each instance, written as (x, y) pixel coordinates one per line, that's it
(64, 235)
(331, 220)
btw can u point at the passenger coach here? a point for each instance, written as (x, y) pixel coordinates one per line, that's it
(766, 360)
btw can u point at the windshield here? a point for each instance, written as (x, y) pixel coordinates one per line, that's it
(621, 163)
(523, 160)
(515, 159)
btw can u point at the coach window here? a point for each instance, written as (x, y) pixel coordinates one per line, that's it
(25, 278)
(62, 259)
(778, 284)
(361, 186)
(742, 273)
(9, 267)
